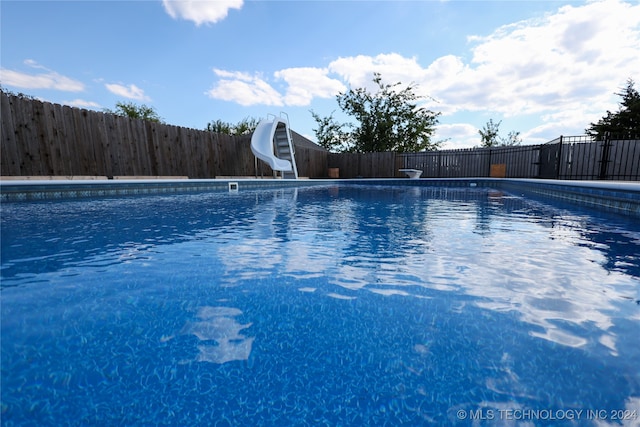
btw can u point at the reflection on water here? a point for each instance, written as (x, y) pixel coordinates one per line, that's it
(554, 268)
(220, 333)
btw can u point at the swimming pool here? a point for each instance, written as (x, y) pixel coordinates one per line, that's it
(324, 305)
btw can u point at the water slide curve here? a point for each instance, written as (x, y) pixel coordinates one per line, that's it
(273, 134)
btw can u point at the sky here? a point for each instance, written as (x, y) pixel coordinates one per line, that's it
(541, 68)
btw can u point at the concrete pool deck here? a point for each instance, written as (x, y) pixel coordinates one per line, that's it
(618, 196)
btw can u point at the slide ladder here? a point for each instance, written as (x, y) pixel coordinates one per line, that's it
(271, 142)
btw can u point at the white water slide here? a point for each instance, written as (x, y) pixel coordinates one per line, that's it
(271, 142)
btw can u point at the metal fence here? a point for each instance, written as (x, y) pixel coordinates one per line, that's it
(581, 157)
(566, 157)
(505, 162)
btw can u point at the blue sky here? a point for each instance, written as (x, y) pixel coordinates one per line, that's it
(543, 68)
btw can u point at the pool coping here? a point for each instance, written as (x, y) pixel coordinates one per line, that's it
(618, 196)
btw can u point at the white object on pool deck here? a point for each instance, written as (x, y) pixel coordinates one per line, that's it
(412, 173)
(271, 143)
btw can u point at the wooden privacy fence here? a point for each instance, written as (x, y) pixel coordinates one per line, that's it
(45, 139)
(365, 165)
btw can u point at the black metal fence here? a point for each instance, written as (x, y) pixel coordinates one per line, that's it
(566, 157)
(518, 161)
(581, 157)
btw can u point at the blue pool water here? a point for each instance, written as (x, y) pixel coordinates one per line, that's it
(319, 306)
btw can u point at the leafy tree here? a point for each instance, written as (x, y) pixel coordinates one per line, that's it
(246, 126)
(388, 120)
(490, 136)
(19, 94)
(131, 110)
(218, 126)
(513, 138)
(625, 123)
(243, 127)
(330, 134)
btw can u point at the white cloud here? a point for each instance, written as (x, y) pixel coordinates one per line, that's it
(357, 71)
(47, 80)
(306, 83)
(457, 135)
(540, 65)
(244, 89)
(200, 11)
(81, 103)
(132, 91)
(303, 84)
(564, 67)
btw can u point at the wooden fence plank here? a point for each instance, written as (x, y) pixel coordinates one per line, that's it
(50, 132)
(139, 147)
(151, 135)
(9, 158)
(162, 141)
(86, 141)
(68, 157)
(20, 118)
(42, 141)
(29, 142)
(73, 136)
(191, 159)
(134, 166)
(117, 146)
(100, 140)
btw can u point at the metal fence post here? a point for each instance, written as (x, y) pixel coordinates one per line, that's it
(604, 159)
(559, 161)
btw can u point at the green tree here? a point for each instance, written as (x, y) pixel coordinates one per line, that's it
(490, 136)
(388, 120)
(19, 94)
(131, 110)
(243, 127)
(625, 123)
(246, 126)
(218, 126)
(513, 138)
(330, 133)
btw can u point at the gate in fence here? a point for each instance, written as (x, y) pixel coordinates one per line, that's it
(550, 159)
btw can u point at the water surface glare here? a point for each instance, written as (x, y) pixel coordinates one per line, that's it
(336, 305)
